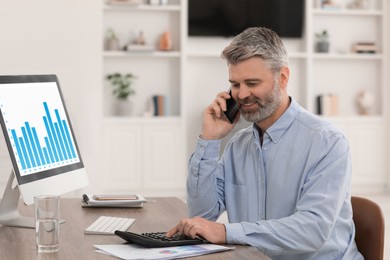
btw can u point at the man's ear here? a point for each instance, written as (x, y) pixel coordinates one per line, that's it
(284, 76)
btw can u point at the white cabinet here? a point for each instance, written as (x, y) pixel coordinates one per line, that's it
(162, 157)
(145, 156)
(345, 74)
(368, 151)
(142, 156)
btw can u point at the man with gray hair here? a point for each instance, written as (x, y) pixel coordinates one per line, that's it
(284, 181)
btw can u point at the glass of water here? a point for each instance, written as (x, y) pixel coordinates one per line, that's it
(47, 223)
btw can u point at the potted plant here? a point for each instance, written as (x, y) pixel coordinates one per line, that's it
(122, 90)
(322, 41)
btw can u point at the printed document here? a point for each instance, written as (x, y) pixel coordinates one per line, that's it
(135, 252)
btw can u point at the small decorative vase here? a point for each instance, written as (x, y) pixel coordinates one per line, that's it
(165, 43)
(112, 44)
(124, 107)
(365, 101)
(322, 47)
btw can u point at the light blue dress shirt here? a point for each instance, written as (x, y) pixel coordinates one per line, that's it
(289, 197)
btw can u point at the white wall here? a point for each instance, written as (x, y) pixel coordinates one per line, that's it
(63, 38)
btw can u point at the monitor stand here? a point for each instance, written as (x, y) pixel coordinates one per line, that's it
(9, 214)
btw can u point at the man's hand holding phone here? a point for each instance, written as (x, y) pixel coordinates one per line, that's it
(220, 117)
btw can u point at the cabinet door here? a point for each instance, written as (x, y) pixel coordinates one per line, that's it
(122, 159)
(163, 158)
(368, 154)
(143, 156)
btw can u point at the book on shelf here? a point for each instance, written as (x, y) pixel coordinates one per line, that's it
(331, 5)
(364, 47)
(160, 107)
(124, 2)
(327, 105)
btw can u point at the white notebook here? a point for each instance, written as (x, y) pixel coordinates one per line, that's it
(113, 200)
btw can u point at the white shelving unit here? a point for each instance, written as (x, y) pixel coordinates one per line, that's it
(340, 72)
(345, 74)
(193, 73)
(358, 26)
(144, 154)
(163, 73)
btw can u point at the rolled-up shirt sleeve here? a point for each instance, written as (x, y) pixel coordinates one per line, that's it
(204, 183)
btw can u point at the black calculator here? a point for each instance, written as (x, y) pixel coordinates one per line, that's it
(159, 239)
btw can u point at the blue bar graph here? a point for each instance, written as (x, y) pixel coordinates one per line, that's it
(55, 146)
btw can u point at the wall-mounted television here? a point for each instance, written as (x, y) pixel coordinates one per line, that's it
(230, 17)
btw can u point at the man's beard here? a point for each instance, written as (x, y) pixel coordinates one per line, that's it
(267, 106)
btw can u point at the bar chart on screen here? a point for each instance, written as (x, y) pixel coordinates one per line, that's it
(39, 143)
(57, 148)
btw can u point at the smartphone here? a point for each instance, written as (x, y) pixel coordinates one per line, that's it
(115, 197)
(231, 108)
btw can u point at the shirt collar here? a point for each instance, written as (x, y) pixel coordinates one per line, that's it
(276, 130)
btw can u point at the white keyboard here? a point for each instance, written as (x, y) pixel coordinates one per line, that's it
(105, 225)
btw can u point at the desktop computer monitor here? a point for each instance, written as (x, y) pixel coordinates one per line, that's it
(43, 149)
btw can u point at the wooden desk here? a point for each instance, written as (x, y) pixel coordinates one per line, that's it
(19, 243)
